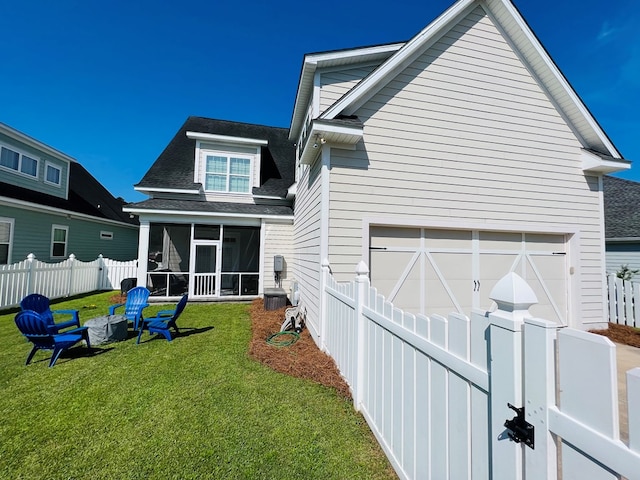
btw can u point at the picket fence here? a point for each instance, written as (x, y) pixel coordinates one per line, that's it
(436, 391)
(623, 295)
(63, 279)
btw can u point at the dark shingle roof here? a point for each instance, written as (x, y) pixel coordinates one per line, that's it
(86, 196)
(621, 208)
(189, 206)
(174, 168)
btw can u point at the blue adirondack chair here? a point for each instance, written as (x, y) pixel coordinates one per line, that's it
(36, 329)
(164, 321)
(136, 301)
(41, 304)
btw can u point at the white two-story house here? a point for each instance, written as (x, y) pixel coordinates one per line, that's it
(444, 163)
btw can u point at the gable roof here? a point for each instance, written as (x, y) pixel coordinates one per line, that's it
(621, 209)
(174, 168)
(87, 196)
(526, 45)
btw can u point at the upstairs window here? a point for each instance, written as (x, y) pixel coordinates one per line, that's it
(52, 174)
(6, 229)
(19, 162)
(227, 173)
(59, 236)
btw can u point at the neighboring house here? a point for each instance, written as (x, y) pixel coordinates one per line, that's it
(220, 210)
(52, 207)
(622, 223)
(444, 163)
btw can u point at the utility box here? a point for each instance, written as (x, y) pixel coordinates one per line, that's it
(278, 263)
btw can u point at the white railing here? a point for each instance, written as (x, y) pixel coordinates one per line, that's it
(623, 295)
(435, 391)
(63, 279)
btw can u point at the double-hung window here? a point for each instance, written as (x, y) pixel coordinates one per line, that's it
(6, 230)
(59, 238)
(18, 161)
(227, 173)
(53, 174)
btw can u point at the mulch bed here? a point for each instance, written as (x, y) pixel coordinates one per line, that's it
(621, 334)
(303, 359)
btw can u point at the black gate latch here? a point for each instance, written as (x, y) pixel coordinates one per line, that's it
(520, 429)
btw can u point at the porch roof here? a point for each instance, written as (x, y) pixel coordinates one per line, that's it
(190, 207)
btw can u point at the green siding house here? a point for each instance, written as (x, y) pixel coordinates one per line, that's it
(51, 206)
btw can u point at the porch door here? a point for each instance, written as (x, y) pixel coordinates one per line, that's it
(204, 269)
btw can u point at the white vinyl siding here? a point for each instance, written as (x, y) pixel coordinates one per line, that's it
(306, 237)
(335, 83)
(278, 241)
(464, 134)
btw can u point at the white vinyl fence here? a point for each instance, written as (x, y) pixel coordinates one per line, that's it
(623, 295)
(436, 391)
(57, 280)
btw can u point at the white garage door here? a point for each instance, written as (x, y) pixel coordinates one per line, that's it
(439, 271)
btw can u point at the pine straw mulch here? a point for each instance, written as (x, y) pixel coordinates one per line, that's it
(621, 334)
(303, 359)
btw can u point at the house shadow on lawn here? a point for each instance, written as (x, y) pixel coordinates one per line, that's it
(71, 354)
(184, 332)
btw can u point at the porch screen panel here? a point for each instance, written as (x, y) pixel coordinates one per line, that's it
(240, 260)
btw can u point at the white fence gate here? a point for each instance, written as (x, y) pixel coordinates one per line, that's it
(436, 391)
(623, 295)
(56, 280)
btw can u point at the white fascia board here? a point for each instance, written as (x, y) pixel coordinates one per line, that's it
(320, 127)
(560, 78)
(388, 69)
(312, 62)
(165, 190)
(147, 212)
(593, 163)
(622, 239)
(59, 211)
(268, 197)
(212, 137)
(32, 142)
(292, 191)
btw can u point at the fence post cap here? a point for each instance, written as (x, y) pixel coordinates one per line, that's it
(362, 269)
(513, 293)
(31, 256)
(72, 257)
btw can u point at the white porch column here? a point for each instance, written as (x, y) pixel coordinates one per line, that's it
(143, 252)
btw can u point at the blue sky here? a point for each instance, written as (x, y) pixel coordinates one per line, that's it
(110, 83)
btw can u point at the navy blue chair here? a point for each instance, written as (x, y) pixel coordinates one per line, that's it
(164, 321)
(41, 304)
(44, 337)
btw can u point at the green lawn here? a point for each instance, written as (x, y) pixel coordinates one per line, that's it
(197, 407)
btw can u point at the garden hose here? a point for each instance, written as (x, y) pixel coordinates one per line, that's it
(279, 339)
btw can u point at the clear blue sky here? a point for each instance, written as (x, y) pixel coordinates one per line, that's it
(109, 83)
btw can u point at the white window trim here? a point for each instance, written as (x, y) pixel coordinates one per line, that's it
(104, 235)
(22, 153)
(200, 170)
(53, 165)
(11, 222)
(55, 227)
